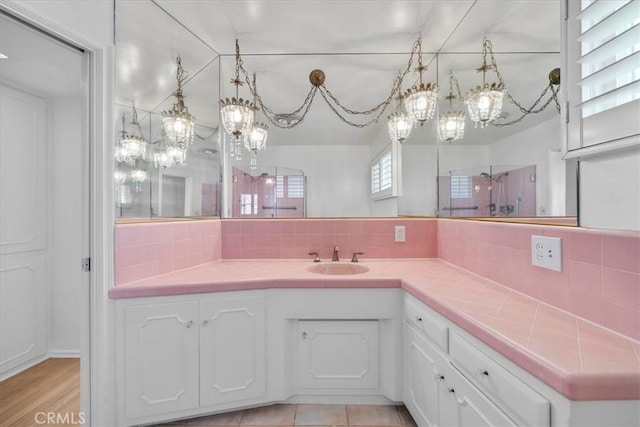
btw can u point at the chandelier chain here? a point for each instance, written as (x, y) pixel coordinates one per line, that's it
(532, 109)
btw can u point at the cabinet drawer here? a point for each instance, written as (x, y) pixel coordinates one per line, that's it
(425, 320)
(521, 402)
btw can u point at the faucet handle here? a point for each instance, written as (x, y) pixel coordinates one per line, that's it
(316, 256)
(354, 258)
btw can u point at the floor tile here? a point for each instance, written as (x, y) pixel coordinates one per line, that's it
(227, 419)
(319, 415)
(373, 415)
(274, 415)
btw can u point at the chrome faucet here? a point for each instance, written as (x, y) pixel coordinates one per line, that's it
(335, 253)
(316, 256)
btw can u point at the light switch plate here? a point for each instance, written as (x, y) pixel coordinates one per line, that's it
(546, 252)
(400, 233)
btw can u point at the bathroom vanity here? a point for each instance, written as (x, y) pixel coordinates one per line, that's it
(235, 334)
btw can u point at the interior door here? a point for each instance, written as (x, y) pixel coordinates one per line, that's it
(23, 237)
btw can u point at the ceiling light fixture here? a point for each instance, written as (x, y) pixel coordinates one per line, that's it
(169, 154)
(400, 123)
(256, 138)
(178, 123)
(484, 102)
(237, 114)
(420, 100)
(451, 124)
(130, 147)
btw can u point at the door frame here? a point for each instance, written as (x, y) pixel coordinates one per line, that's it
(96, 344)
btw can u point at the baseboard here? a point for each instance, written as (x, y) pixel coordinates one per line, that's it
(63, 354)
(29, 364)
(340, 400)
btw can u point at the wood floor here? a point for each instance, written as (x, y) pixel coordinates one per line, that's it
(49, 389)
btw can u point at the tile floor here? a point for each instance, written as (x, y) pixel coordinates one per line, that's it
(308, 415)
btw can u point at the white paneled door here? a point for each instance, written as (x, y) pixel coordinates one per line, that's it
(23, 217)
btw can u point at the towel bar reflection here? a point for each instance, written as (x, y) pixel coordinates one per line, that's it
(459, 208)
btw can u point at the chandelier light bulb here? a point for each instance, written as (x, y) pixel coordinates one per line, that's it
(420, 102)
(451, 126)
(484, 104)
(400, 125)
(237, 116)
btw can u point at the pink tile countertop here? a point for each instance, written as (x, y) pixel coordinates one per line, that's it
(579, 359)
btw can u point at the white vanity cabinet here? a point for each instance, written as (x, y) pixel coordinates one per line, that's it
(197, 354)
(334, 354)
(441, 375)
(161, 358)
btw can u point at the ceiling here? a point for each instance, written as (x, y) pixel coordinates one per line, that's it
(360, 45)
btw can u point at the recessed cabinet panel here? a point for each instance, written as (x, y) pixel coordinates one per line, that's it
(161, 364)
(22, 310)
(338, 354)
(232, 339)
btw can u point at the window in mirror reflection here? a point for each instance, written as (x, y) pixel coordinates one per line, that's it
(268, 192)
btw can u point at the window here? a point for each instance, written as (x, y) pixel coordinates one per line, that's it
(291, 186)
(385, 180)
(460, 187)
(604, 71)
(248, 204)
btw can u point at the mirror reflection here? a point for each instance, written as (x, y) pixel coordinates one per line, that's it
(360, 63)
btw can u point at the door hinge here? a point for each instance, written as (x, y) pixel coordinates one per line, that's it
(86, 264)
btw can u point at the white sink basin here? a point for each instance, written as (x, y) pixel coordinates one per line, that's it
(336, 269)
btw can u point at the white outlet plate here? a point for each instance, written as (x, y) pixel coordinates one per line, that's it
(546, 252)
(400, 233)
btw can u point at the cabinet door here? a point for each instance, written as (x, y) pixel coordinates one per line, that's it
(338, 354)
(232, 355)
(161, 358)
(422, 379)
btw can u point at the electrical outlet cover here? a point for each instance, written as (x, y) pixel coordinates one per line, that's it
(400, 233)
(546, 252)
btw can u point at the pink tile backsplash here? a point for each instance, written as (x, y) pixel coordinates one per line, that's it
(149, 249)
(600, 280)
(295, 238)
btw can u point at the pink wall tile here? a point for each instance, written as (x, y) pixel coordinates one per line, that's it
(600, 280)
(148, 249)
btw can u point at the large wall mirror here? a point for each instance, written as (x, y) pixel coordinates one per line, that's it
(514, 170)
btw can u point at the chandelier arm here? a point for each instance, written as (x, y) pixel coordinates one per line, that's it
(269, 114)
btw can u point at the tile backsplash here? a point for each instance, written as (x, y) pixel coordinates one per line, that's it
(295, 238)
(600, 279)
(152, 248)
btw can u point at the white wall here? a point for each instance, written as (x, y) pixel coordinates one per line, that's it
(65, 189)
(337, 175)
(533, 146)
(419, 171)
(610, 190)
(454, 157)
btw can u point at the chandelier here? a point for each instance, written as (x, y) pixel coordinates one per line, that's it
(130, 147)
(451, 123)
(178, 123)
(237, 114)
(484, 102)
(400, 124)
(256, 138)
(420, 100)
(169, 154)
(138, 176)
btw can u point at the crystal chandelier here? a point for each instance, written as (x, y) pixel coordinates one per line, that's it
(237, 114)
(484, 103)
(168, 154)
(256, 139)
(138, 176)
(451, 123)
(120, 176)
(133, 146)
(178, 123)
(420, 100)
(400, 124)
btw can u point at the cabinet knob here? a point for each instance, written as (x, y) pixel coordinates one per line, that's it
(451, 390)
(205, 322)
(304, 335)
(189, 323)
(483, 372)
(418, 319)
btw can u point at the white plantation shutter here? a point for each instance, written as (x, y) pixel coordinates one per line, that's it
(606, 70)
